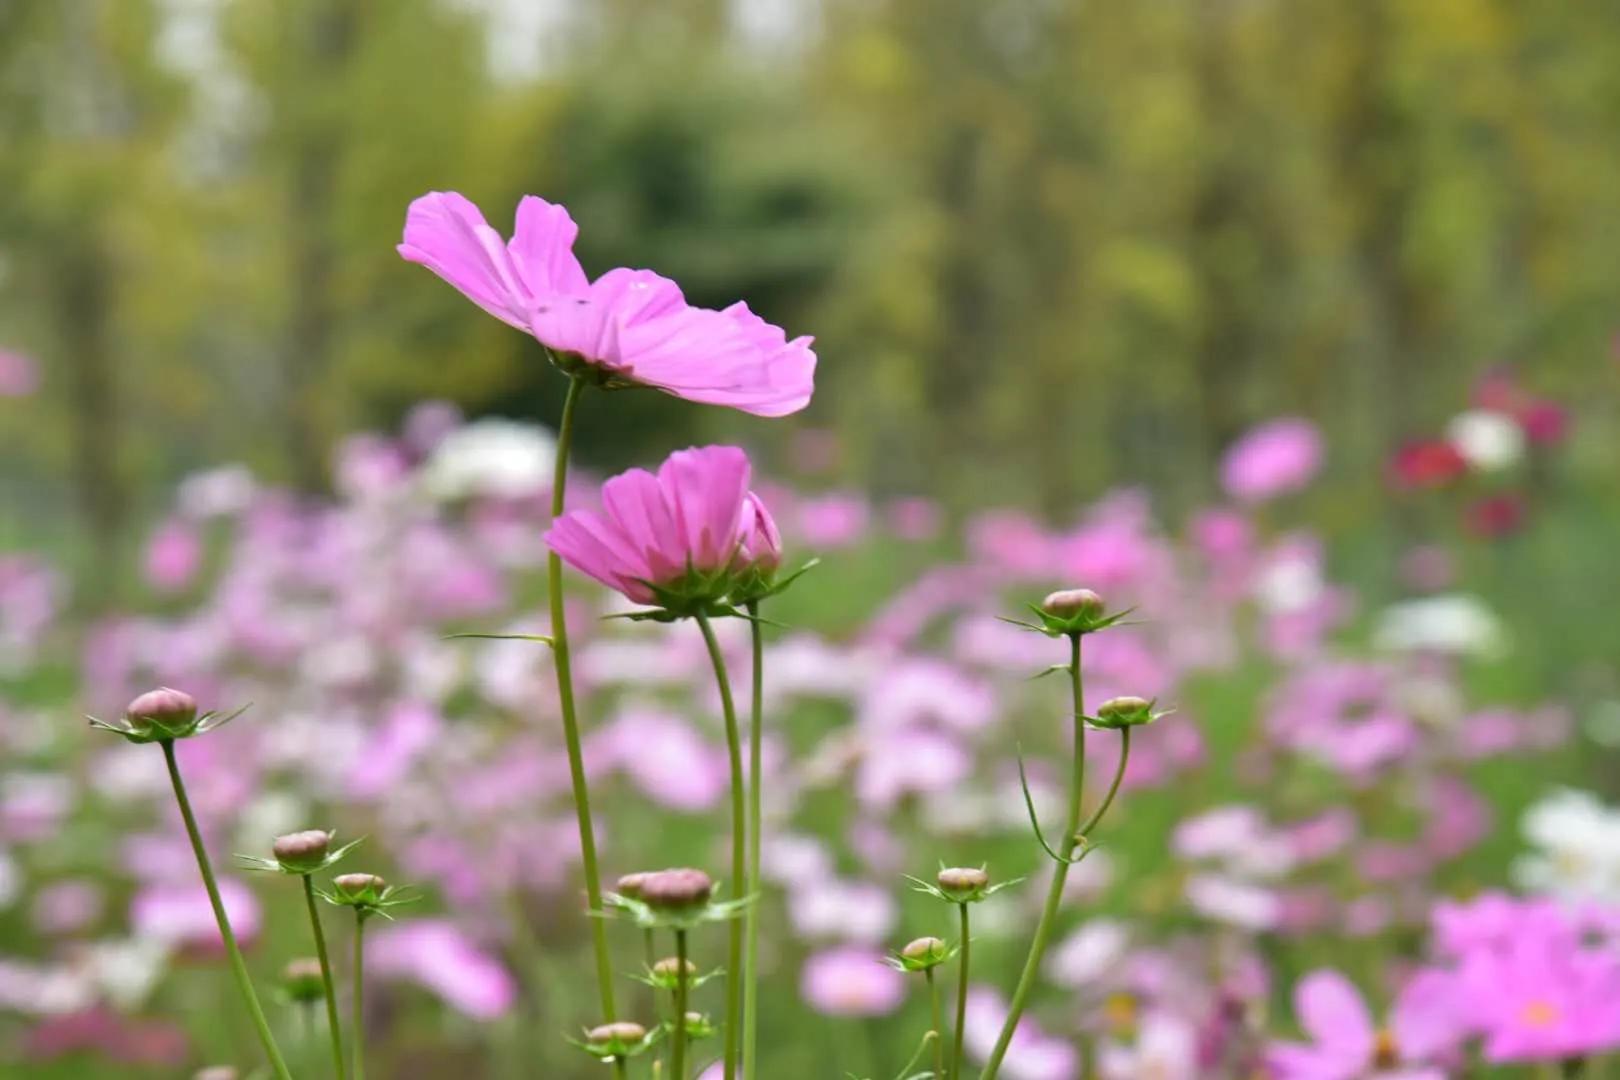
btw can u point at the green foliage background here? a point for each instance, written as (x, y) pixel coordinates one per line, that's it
(1045, 246)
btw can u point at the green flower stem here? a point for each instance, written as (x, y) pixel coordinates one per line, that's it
(1060, 874)
(1084, 833)
(357, 1030)
(677, 1055)
(565, 693)
(739, 847)
(939, 1025)
(326, 978)
(961, 995)
(233, 952)
(750, 1053)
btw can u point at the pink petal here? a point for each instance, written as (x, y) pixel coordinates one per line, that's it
(1331, 1012)
(447, 234)
(542, 248)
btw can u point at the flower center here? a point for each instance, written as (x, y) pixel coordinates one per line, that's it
(1385, 1053)
(1539, 1014)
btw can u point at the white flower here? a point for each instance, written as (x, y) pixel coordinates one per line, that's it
(1089, 954)
(1236, 903)
(1289, 585)
(491, 457)
(1577, 838)
(1487, 440)
(1454, 623)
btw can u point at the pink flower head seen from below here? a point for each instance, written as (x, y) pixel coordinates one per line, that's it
(688, 537)
(626, 328)
(1275, 458)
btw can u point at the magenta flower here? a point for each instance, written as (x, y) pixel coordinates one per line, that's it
(438, 956)
(1275, 458)
(1345, 1043)
(681, 539)
(628, 327)
(851, 981)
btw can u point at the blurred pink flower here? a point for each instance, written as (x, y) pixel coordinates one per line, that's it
(634, 325)
(836, 520)
(915, 519)
(173, 556)
(1275, 458)
(19, 376)
(1345, 1044)
(140, 1043)
(665, 757)
(851, 981)
(180, 915)
(1032, 1054)
(437, 955)
(842, 910)
(696, 514)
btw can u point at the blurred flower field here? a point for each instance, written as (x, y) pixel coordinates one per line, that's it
(1315, 870)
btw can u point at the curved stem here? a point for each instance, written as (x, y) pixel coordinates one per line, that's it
(739, 852)
(357, 1030)
(677, 1056)
(961, 994)
(939, 1025)
(1060, 873)
(756, 778)
(233, 952)
(1084, 833)
(565, 694)
(326, 978)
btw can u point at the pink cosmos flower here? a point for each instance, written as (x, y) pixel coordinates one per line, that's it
(632, 325)
(173, 556)
(1345, 1044)
(851, 981)
(1273, 459)
(19, 377)
(435, 954)
(695, 516)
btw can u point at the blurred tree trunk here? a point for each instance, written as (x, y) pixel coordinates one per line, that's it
(83, 299)
(331, 29)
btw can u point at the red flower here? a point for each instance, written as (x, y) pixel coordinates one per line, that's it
(1545, 423)
(1428, 463)
(1495, 516)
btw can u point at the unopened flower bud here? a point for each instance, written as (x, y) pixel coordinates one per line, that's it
(923, 954)
(302, 852)
(216, 1072)
(359, 889)
(676, 890)
(630, 885)
(302, 981)
(1069, 603)
(623, 1032)
(163, 712)
(669, 965)
(962, 883)
(922, 947)
(960, 878)
(1124, 712)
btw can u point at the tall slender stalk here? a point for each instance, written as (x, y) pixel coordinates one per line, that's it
(756, 723)
(939, 1024)
(565, 694)
(1060, 875)
(677, 1055)
(357, 1030)
(326, 978)
(233, 952)
(739, 852)
(961, 994)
